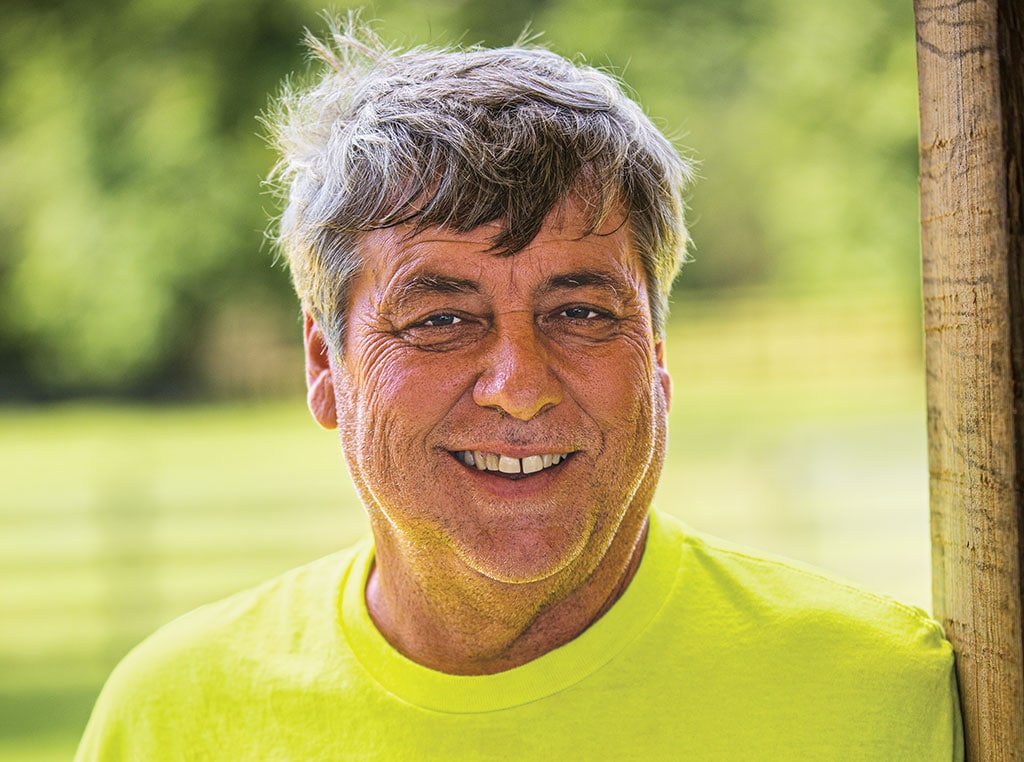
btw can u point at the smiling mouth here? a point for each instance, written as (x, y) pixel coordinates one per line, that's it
(505, 465)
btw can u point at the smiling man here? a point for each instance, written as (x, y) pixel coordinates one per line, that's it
(503, 417)
(483, 242)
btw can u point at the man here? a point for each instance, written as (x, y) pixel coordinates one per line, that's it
(483, 242)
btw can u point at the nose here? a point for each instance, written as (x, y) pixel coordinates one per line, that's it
(517, 376)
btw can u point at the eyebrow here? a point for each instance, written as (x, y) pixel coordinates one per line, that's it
(431, 283)
(428, 283)
(584, 279)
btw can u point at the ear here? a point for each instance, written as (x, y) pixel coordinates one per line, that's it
(662, 370)
(319, 376)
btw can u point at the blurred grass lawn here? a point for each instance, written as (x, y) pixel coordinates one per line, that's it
(797, 427)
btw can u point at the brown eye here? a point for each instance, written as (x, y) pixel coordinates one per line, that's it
(442, 320)
(444, 331)
(580, 313)
(579, 322)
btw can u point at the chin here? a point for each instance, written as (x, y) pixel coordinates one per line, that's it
(521, 560)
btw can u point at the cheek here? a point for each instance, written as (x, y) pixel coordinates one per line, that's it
(620, 393)
(383, 378)
(614, 385)
(390, 401)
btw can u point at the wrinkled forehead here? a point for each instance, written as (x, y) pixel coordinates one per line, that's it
(400, 264)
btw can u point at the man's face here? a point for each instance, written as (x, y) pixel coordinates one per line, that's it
(505, 411)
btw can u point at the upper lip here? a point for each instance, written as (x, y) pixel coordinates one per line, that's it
(516, 451)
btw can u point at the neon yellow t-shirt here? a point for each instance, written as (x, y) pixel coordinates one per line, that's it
(712, 653)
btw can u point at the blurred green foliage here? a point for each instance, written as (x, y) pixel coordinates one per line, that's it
(132, 258)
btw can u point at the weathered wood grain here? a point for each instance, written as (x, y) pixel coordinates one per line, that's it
(970, 83)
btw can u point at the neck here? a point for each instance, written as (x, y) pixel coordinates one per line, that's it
(453, 619)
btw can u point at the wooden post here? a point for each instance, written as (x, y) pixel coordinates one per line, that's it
(971, 80)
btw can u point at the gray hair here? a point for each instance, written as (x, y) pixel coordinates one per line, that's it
(459, 138)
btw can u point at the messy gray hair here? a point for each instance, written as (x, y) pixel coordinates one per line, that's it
(458, 138)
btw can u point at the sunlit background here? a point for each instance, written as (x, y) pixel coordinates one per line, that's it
(155, 452)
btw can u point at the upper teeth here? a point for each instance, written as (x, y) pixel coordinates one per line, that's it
(489, 461)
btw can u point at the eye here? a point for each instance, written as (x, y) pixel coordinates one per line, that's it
(443, 331)
(580, 322)
(580, 313)
(442, 320)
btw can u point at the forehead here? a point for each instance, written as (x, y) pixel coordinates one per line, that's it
(395, 257)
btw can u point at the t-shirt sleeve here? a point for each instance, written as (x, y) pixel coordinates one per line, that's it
(121, 726)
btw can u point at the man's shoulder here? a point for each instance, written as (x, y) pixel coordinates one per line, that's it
(219, 665)
(788, 646)
(241, 627)
(775, 596)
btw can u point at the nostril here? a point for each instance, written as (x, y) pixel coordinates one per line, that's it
(520, 391)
